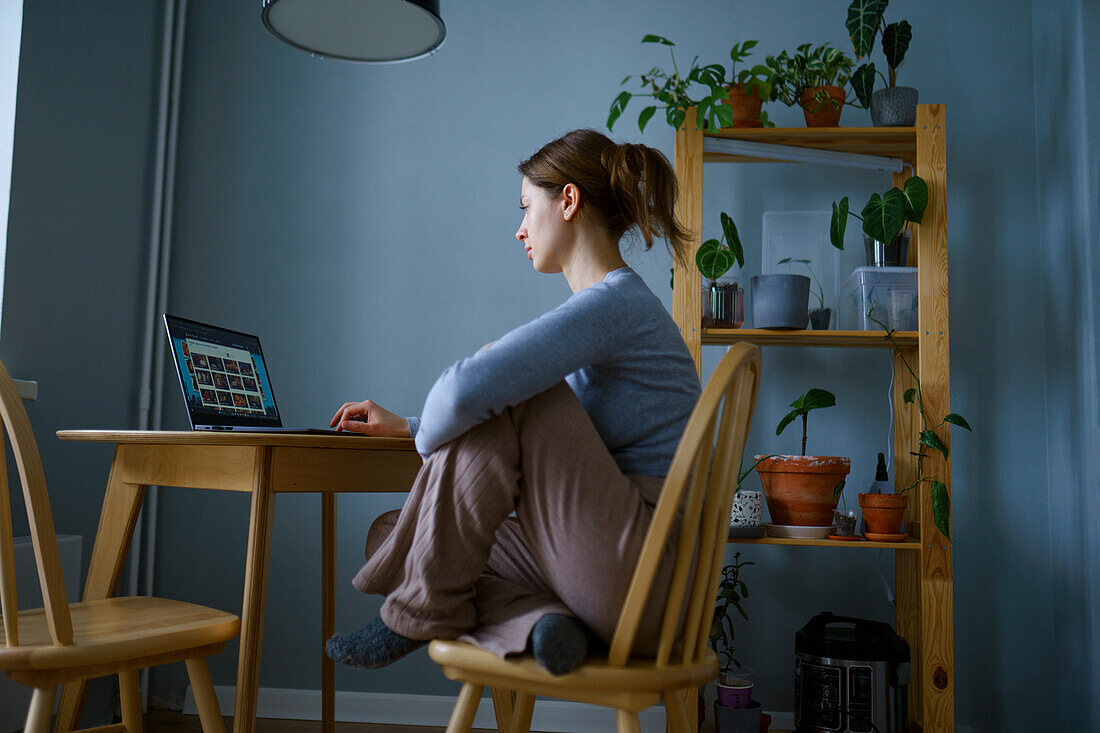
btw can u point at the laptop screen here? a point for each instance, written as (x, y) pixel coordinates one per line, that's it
(223, 375)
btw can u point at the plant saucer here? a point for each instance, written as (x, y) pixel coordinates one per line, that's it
(886, 537)
(846, 537)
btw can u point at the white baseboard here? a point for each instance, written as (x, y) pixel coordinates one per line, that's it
(552, 716)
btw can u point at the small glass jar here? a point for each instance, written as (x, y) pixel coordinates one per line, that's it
(723, 303)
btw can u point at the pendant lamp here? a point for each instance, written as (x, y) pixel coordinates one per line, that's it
(369, 31)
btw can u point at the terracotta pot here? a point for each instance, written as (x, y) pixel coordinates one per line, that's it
(746, 107)
(822, 114)
(883, 513)
(799, 489)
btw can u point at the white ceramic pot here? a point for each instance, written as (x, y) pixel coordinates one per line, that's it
(745, 511)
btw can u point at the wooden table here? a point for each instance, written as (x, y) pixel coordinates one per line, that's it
(263, 464)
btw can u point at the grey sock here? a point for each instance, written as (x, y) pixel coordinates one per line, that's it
(374, 645)
(560, 643)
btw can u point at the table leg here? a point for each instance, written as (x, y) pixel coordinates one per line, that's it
(255, 593)
(121, 506)
(328, 610)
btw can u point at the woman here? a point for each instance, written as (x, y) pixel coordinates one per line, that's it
(569, 421)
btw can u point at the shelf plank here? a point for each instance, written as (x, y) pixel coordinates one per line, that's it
(910, 544)
(846, 339)
(893, 142)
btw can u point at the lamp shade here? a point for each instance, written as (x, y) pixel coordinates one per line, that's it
(370, 31)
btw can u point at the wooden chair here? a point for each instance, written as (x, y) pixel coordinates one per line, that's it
(701, 481)
(62, 642)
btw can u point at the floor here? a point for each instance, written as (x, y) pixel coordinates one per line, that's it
(166, 721)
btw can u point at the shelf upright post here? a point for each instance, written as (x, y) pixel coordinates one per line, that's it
(687, 282)
(937, 664)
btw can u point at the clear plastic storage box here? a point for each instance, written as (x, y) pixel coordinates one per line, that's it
(892, 291)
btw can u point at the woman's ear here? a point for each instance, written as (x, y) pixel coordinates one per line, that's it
(571, 200)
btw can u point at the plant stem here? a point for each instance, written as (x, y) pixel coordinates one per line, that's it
(804, 415)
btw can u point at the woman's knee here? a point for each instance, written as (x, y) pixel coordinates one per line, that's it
(379, 530)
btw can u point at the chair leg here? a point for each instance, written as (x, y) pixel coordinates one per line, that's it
(676, 720)
(503, 700)
(521, 716)
(40, 714)
(206, 700)
(465, 709)
(627, 722)
(129, 693)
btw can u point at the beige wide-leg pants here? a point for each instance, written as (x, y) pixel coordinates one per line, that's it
(453, 563)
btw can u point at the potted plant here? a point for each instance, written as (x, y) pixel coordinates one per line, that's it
(734, 709)
(723, 300)
(780, 300)
(745, 509)
(893, 105)
(819, 317)
(802, 490)
(884, 512)
(813, 78)
(749, 88)
(844, 520)
(884, 218)
(672, 91)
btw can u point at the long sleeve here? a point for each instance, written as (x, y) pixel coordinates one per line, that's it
(586, 330)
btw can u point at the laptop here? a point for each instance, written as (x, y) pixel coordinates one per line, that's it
(224, 380)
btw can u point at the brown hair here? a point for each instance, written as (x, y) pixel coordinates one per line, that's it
(627, 186)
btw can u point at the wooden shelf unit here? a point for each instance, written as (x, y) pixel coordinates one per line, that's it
(923, 572)
(909, 544)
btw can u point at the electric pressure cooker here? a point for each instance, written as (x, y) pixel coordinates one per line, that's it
(851, 675)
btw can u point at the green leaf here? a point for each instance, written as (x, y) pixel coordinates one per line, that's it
(838, 490)
(910, 395)
(895, 42)
(729, 231)
(712, 260)
(839, 223)
(650, 38)
(787, 420)
(625, 80)
(784, 261)
(675, 117)
(930, 439)
(617, 107)
(863, 83)
(956, 419)
(864, 17)
(643, 118)
(725, 115)
(916, 198)
(817, 398)
(884, 217)
(941, 508)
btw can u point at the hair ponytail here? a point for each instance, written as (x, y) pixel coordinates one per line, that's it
(627, 186)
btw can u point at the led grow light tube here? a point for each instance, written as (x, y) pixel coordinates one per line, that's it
(802, 155)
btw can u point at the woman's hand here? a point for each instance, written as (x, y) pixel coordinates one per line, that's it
(370, 419)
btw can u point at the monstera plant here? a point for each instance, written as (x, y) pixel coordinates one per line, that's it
(893, 105)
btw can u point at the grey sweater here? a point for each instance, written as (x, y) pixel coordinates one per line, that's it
(617, 348)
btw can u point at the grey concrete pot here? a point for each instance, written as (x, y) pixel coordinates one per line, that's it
(732, 720)
(894, 107)
(780, 301)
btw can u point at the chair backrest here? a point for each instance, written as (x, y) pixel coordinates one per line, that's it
(18, 428)
(701, 482)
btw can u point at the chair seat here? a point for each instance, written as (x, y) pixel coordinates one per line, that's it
(594, 681)
(115, 630)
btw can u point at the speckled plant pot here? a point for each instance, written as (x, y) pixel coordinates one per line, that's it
(894, 107)
(745, 511)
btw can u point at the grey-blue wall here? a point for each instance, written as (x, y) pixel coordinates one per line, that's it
(360, 220)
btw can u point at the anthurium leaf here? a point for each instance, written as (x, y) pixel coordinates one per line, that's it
(916, 198)
(650, 38)
(643, 118)
(729, 230)
(863, 83)
(839, 223)
(838, 490)
(956, 419)
(787, 420)
(817, 398)
(930, 439)
(910, 395)
(895, 42)
(864, 17)
(883, 217)
(712, 260)
(941, 508)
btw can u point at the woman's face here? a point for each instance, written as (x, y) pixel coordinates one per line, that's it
(543, 227)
